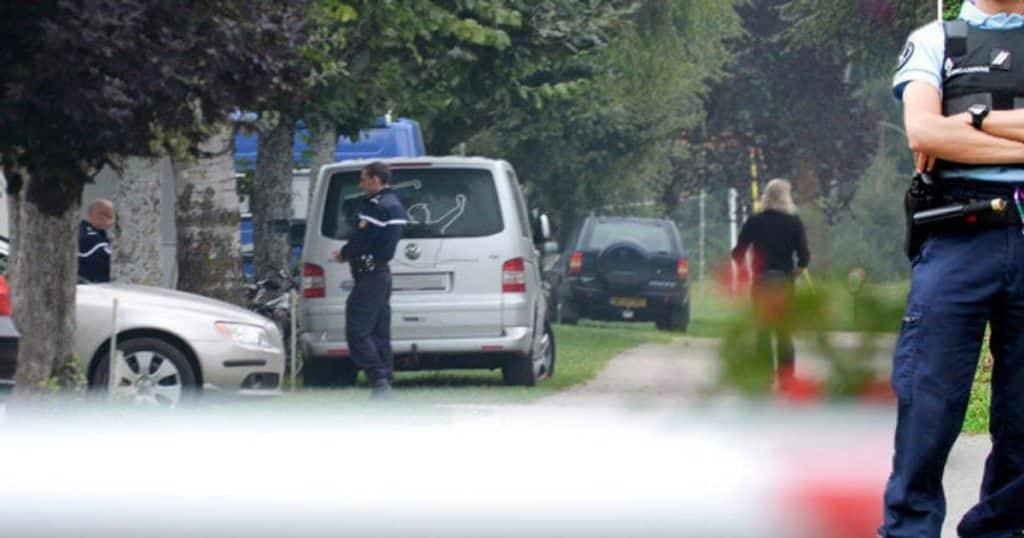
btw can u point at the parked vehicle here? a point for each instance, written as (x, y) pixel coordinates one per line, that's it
(623, 268)
(175, 344)
(271, 298)
(9, 338)
(467, 283)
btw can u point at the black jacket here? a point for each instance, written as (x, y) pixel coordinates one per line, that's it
(93, 253)
(775, 237)
(381, 221)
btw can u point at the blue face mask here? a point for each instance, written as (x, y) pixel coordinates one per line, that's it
(999, 21)
(1002, 21)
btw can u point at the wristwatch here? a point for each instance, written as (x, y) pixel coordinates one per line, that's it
(978, 114)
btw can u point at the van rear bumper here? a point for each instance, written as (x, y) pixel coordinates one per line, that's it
(515, 341)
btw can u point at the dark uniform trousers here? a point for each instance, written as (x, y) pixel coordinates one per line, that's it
(961, 280)
(368, 324)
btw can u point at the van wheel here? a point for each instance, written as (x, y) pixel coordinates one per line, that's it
(547, 348)
(324, 372)
(540, 363)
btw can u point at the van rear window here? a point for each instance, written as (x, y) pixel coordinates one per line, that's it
(439, 202)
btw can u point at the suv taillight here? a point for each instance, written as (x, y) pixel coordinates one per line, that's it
(682, 269)
(5, 297)
(576, 263)
(313, 284)
(513, 276)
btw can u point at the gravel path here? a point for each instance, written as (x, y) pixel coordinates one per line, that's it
(668, 375)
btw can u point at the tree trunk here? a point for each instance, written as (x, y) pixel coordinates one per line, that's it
(42, 280)
(206, 214)
(136, 256)
(271, 203)
(323, 139)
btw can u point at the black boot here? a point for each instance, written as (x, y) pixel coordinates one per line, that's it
(381, 390)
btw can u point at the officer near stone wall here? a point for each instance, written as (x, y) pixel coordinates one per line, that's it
(367, 309)
(93, 242)
(962, 87)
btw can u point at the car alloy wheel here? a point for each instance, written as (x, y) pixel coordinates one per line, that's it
(147, 377)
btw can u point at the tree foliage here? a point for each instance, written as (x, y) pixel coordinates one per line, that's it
(84, 82)
(604, 144)
(871, 30)
(793, 110)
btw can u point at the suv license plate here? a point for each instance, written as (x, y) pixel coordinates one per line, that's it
(629, 302)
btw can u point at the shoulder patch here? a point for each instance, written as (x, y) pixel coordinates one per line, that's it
(905, 55)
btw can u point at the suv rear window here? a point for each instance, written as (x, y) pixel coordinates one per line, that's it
(653, 235)
(439, 202)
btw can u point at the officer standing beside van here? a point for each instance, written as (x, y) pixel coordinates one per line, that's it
(367, 309)
(962, 87)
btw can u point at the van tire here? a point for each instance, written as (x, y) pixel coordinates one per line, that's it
(324, 372)
(519, 371)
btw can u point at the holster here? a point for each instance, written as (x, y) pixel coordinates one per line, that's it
(921, 195)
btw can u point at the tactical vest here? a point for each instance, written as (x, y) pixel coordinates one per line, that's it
(981, 67)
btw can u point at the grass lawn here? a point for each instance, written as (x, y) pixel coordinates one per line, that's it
(582, 352)
(981, 395)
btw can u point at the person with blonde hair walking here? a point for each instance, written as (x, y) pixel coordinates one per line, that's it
(774, 236)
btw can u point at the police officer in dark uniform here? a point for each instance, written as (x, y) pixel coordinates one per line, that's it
(962, 86)
(93, 243)
(367, 309)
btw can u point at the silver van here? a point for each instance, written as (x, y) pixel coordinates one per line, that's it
(466, 275)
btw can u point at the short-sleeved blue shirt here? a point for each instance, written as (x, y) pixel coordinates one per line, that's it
(921, 59)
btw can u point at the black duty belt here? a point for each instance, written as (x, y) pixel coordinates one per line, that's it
(964, 205)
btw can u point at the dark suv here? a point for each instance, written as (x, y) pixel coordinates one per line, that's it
(622, 268)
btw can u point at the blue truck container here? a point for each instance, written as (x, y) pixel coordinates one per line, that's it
(387, 138)
(398, 138)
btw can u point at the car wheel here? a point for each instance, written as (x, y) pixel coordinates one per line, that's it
(567, 314)
(676, 320)
(323, 372)
(151, 372)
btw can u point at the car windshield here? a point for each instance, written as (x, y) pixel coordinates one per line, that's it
(439, 202)
(651, 235)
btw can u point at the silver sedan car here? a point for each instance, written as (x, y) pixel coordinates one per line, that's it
(174, 344)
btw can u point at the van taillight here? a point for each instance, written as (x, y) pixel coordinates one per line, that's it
(683, 269)
(513, 276)
(5, 297)
(313, 284)
(576, 263)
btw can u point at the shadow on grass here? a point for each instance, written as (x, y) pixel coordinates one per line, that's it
(447, 379)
